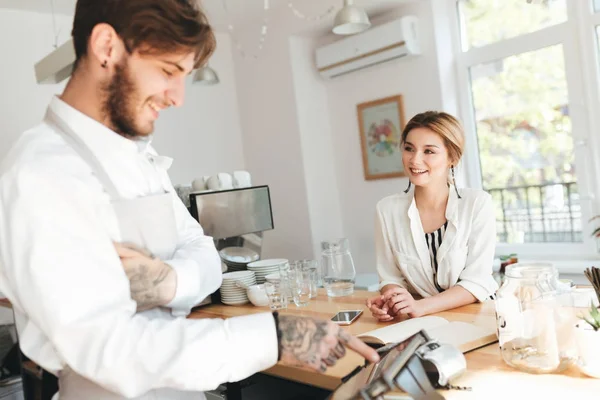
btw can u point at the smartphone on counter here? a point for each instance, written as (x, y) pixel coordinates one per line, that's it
(346, 317)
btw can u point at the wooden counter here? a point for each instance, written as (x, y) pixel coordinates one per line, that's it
(487, 373)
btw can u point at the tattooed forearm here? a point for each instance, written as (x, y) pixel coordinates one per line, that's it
(150, 282)
(316, 343)
(301, 340)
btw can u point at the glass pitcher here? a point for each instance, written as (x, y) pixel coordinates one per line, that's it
(337, 268)
(534, 319)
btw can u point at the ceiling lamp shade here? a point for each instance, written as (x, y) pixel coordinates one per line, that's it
(350, 20)
(206, 76)
(56, 66)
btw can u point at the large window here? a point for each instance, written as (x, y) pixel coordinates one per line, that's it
(526, 91)
(525, 145)
(489, 21)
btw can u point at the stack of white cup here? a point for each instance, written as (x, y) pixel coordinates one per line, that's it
(222, 181)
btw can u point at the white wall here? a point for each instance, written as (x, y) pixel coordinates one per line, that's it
(26, 38)
(272, 144)
(417, 80)
(204, 136)
(318, 147)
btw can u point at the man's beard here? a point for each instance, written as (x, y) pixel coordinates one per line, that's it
(120, 96)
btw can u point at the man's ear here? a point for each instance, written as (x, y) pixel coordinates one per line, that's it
(105, 46)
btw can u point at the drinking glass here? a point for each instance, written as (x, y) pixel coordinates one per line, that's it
(300, 285)
(313, 267)
(277, 296)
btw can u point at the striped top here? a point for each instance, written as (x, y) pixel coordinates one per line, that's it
(434, 241)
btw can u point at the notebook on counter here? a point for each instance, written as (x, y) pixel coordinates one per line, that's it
(462, 335)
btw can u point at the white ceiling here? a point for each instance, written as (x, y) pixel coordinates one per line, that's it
(242, 11)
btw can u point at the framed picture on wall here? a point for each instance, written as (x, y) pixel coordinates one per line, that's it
(380, 124)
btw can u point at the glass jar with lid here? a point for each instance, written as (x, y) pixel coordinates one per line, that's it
(533, 319)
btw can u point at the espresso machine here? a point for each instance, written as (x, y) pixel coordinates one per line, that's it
(235, 217)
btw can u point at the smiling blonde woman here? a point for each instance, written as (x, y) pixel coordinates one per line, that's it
(434, 242)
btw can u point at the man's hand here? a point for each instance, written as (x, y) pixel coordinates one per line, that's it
(316, 343)
(153, 283)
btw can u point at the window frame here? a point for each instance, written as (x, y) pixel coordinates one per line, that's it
(578, 38)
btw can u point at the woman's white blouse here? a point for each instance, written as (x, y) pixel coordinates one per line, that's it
(465, 257)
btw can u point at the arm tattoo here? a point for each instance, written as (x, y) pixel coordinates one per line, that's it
(302, 338)
(145, 282)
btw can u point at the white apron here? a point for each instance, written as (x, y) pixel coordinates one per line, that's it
(148, 222)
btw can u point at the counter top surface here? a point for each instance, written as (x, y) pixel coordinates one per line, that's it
(487, 373)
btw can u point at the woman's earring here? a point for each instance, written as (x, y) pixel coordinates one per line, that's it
(454, 182)
(408, 188)
(105, 64)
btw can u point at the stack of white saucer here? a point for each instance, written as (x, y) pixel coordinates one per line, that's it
(237, 258)
(273, 278)
(262, 268)
(231, 293)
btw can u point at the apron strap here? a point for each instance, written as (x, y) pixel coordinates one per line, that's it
(84, 152)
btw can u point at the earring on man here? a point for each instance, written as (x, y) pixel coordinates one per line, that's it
(408, 188)
(105, 64)
(454, 181)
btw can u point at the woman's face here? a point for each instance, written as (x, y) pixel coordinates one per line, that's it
(425, 158)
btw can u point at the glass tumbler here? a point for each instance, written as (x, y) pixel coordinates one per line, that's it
(313, 267)
(276, 295)
(300, 285)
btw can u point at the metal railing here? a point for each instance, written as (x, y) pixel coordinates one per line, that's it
(538, 213)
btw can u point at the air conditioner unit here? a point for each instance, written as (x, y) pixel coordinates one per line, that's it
(396, 39)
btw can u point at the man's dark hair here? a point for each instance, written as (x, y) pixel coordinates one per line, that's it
(149, 26)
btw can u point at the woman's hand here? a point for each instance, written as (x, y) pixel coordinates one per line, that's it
(376, 305)
(398, 301)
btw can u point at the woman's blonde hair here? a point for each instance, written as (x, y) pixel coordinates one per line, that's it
(445, 125)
